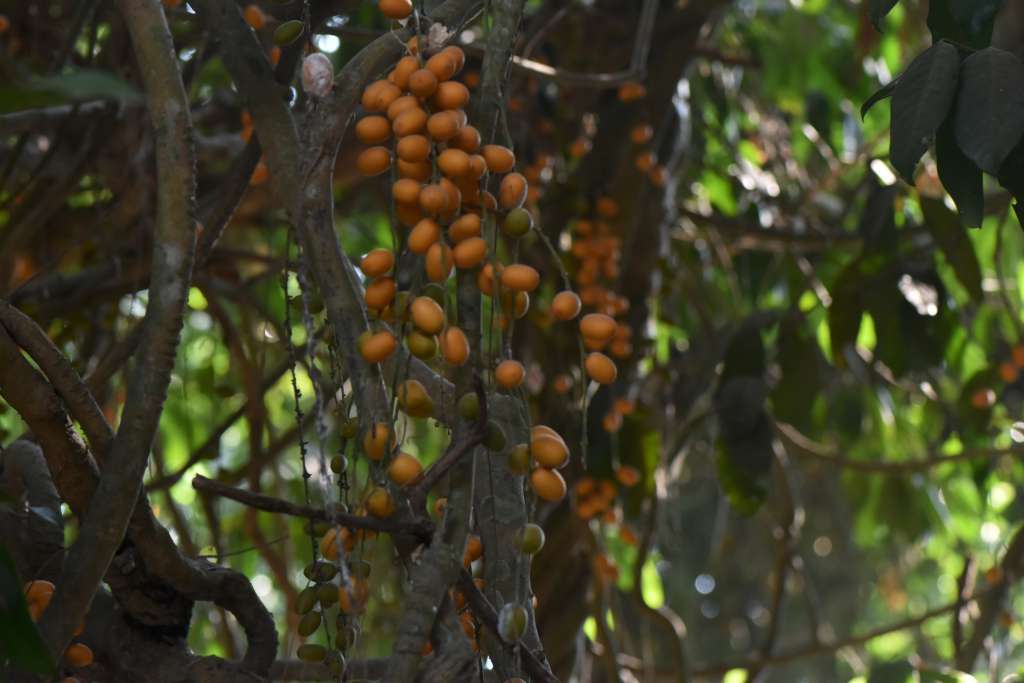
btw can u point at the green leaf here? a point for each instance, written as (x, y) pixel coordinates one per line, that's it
(878, 9)
(920, 103)
(75, 86)
(20, 643)
(882, 93)
(845, 312)
(959, 175)
(990, 107)
(955, 244)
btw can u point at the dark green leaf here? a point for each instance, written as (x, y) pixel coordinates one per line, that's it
(955, 244)
(800, 362)
(19, 639)
(882, 93)
(959, 175)
(920, 103)
(990, 107)
(878, 9)
(846, 311)
(1011, 173)
(892, 672)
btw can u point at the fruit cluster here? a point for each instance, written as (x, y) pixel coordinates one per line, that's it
(38, 594)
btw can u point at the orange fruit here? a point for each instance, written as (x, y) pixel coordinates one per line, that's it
(601, 368)
(373, 130)
(509, 374)
(597, 326)
(439, 262)
(641, 133)
(627, 476)
(78, 655)
(377, 262)
(373, 161)
(611, 422)
(396, 9)
(548, 484)
(419, 171)
(485, 279)
(427, 315)
(466, 226)
(520, 277)
(400, 105)
(376, 347)
(423, 235)
(454, 163)
(380, 293)
(254, 17)
(549, 452)
(379, 503)
(499, 159)
(566, 305)
(404, 469)
(275, 55)
(454, 346)
(443, 126)
(403, 69)
(1008, 372)
(442, 65)
(433, 198)
(474, 550)
(408, 214)
(406, 191)
(377, 441)
(450, 95)
(645, 162)
(454, 198)
(410, 121)
(39, 590)
(379, 95)
(413, 148)
(467, 139)
(632, 91)
(1017, 353)
(423, 83)
(512, 192)
(470, 253)
(260, 174)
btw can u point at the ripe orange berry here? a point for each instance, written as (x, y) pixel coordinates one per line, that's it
(520, 277)
(254, 17)
(454, 198)
(403, 69)
(373, 161)
(406, 191)
(275, 55)
(641, 133)
(499, 159)
(470, 253)
(607, 207)
(509, 374)
(549, 452)
(466, 226)
(419, 171)
(377, 262)
(39, 590)
(1009, 372)
(423, 235)
(467, 139)
(408, 214)
(379, 95)
(427, 315)
(400, 105)
(373, 130)
(380, 504)
(485, 279)
(548, 484)
(645, 162)
(380, 293)
(443, 126)
(601, 368)
(78, 655)
(450, 95)
(632, 91)
(512, 192)
(410, 121)
(423, 83)
(404, 469)
(474, 550)
(566, 305)
(260, 174)
(454, 163)
(611, 422)
(433, 198)
(597, 326)
(628, 476)
(396, 9)
(377, 441)
(562, 384)
(413, 148)
(442, 65)
(439, 262)
(376, 347)
(454, 346)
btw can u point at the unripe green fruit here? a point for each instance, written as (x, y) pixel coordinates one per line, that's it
(320, 570)
(350, 428)
(339, 464)
(469, 407)
(288, 32)
(423, 346)
(519, 459)
(512, 622)
(309, 624)
(345, 638)
(518, 222)
(530, 539)
(494, 439)
(327, 594)
(311, 652)
(306, 600)
(435, 292)
(360, 569)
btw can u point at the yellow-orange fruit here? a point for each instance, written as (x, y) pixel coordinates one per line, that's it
(413, 148)
(467, 225)
(377, 441)
(548, 484)
(499, 159)
(454, 163)
(396, 9)
(425, 233)
(474, 550)
(520, 277)
(427, 315)
(628, 476)
(403, 69)
(413, 45)
(521, 304)
(566, 305)
(275, 55)
(78, 655)
(477, 166)
(485, 280)
(538, 431)
(404, 469)
(454, 346)
(375, 347)
(254, 17)
(433, 200)
(548, 451)
(457, 55)
(401, 105)
(632, 91)
(467, 139)
(38, 590)
(512, 192)
(509, 374)
(442, 66)
(353, 602)
(450, 95)
(470, 252)
(373, 161)
(439, 262)
(379, 503)
(594, 344)
(419, 171)
(641, 133)
(620, 348)
(373, 130)
(380, 293)
(443, 126)
(422, 83)
(412, 120)
(379, 95)
(377, 262)
(601, 368)
(597, 326)
(408, 214)
(406, 191)
(454, 201)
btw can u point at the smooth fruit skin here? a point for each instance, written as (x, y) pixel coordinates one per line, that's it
(548, 484)
(566, 305)
(601, 368)
(509, 374)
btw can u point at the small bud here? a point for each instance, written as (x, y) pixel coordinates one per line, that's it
(317, 75)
